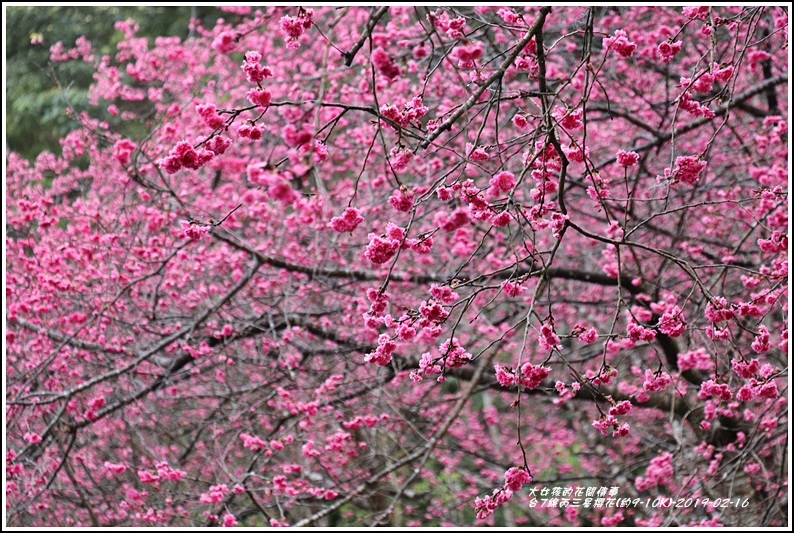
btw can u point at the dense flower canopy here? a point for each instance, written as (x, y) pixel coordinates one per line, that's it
(409, 266)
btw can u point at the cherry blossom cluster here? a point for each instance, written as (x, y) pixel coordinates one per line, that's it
(411, 112)
(347, 221)
(620, 43)
(294, 27)
(687, 170)
(515, 478)
(577, 240)
(183, 155)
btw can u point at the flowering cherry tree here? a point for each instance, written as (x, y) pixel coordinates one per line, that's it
(409, 266)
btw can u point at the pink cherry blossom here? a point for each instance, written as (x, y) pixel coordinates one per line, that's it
(348, 221)
(294, 260)
(620, 43)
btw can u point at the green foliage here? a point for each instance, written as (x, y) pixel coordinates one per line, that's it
(38, 92)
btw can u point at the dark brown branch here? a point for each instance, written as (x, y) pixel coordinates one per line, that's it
(373, 20)
(626, 115)
(766, 69)
(350, 107)
(551, 132)
(313, 272)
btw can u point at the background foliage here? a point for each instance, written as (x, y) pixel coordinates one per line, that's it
(38, 90)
